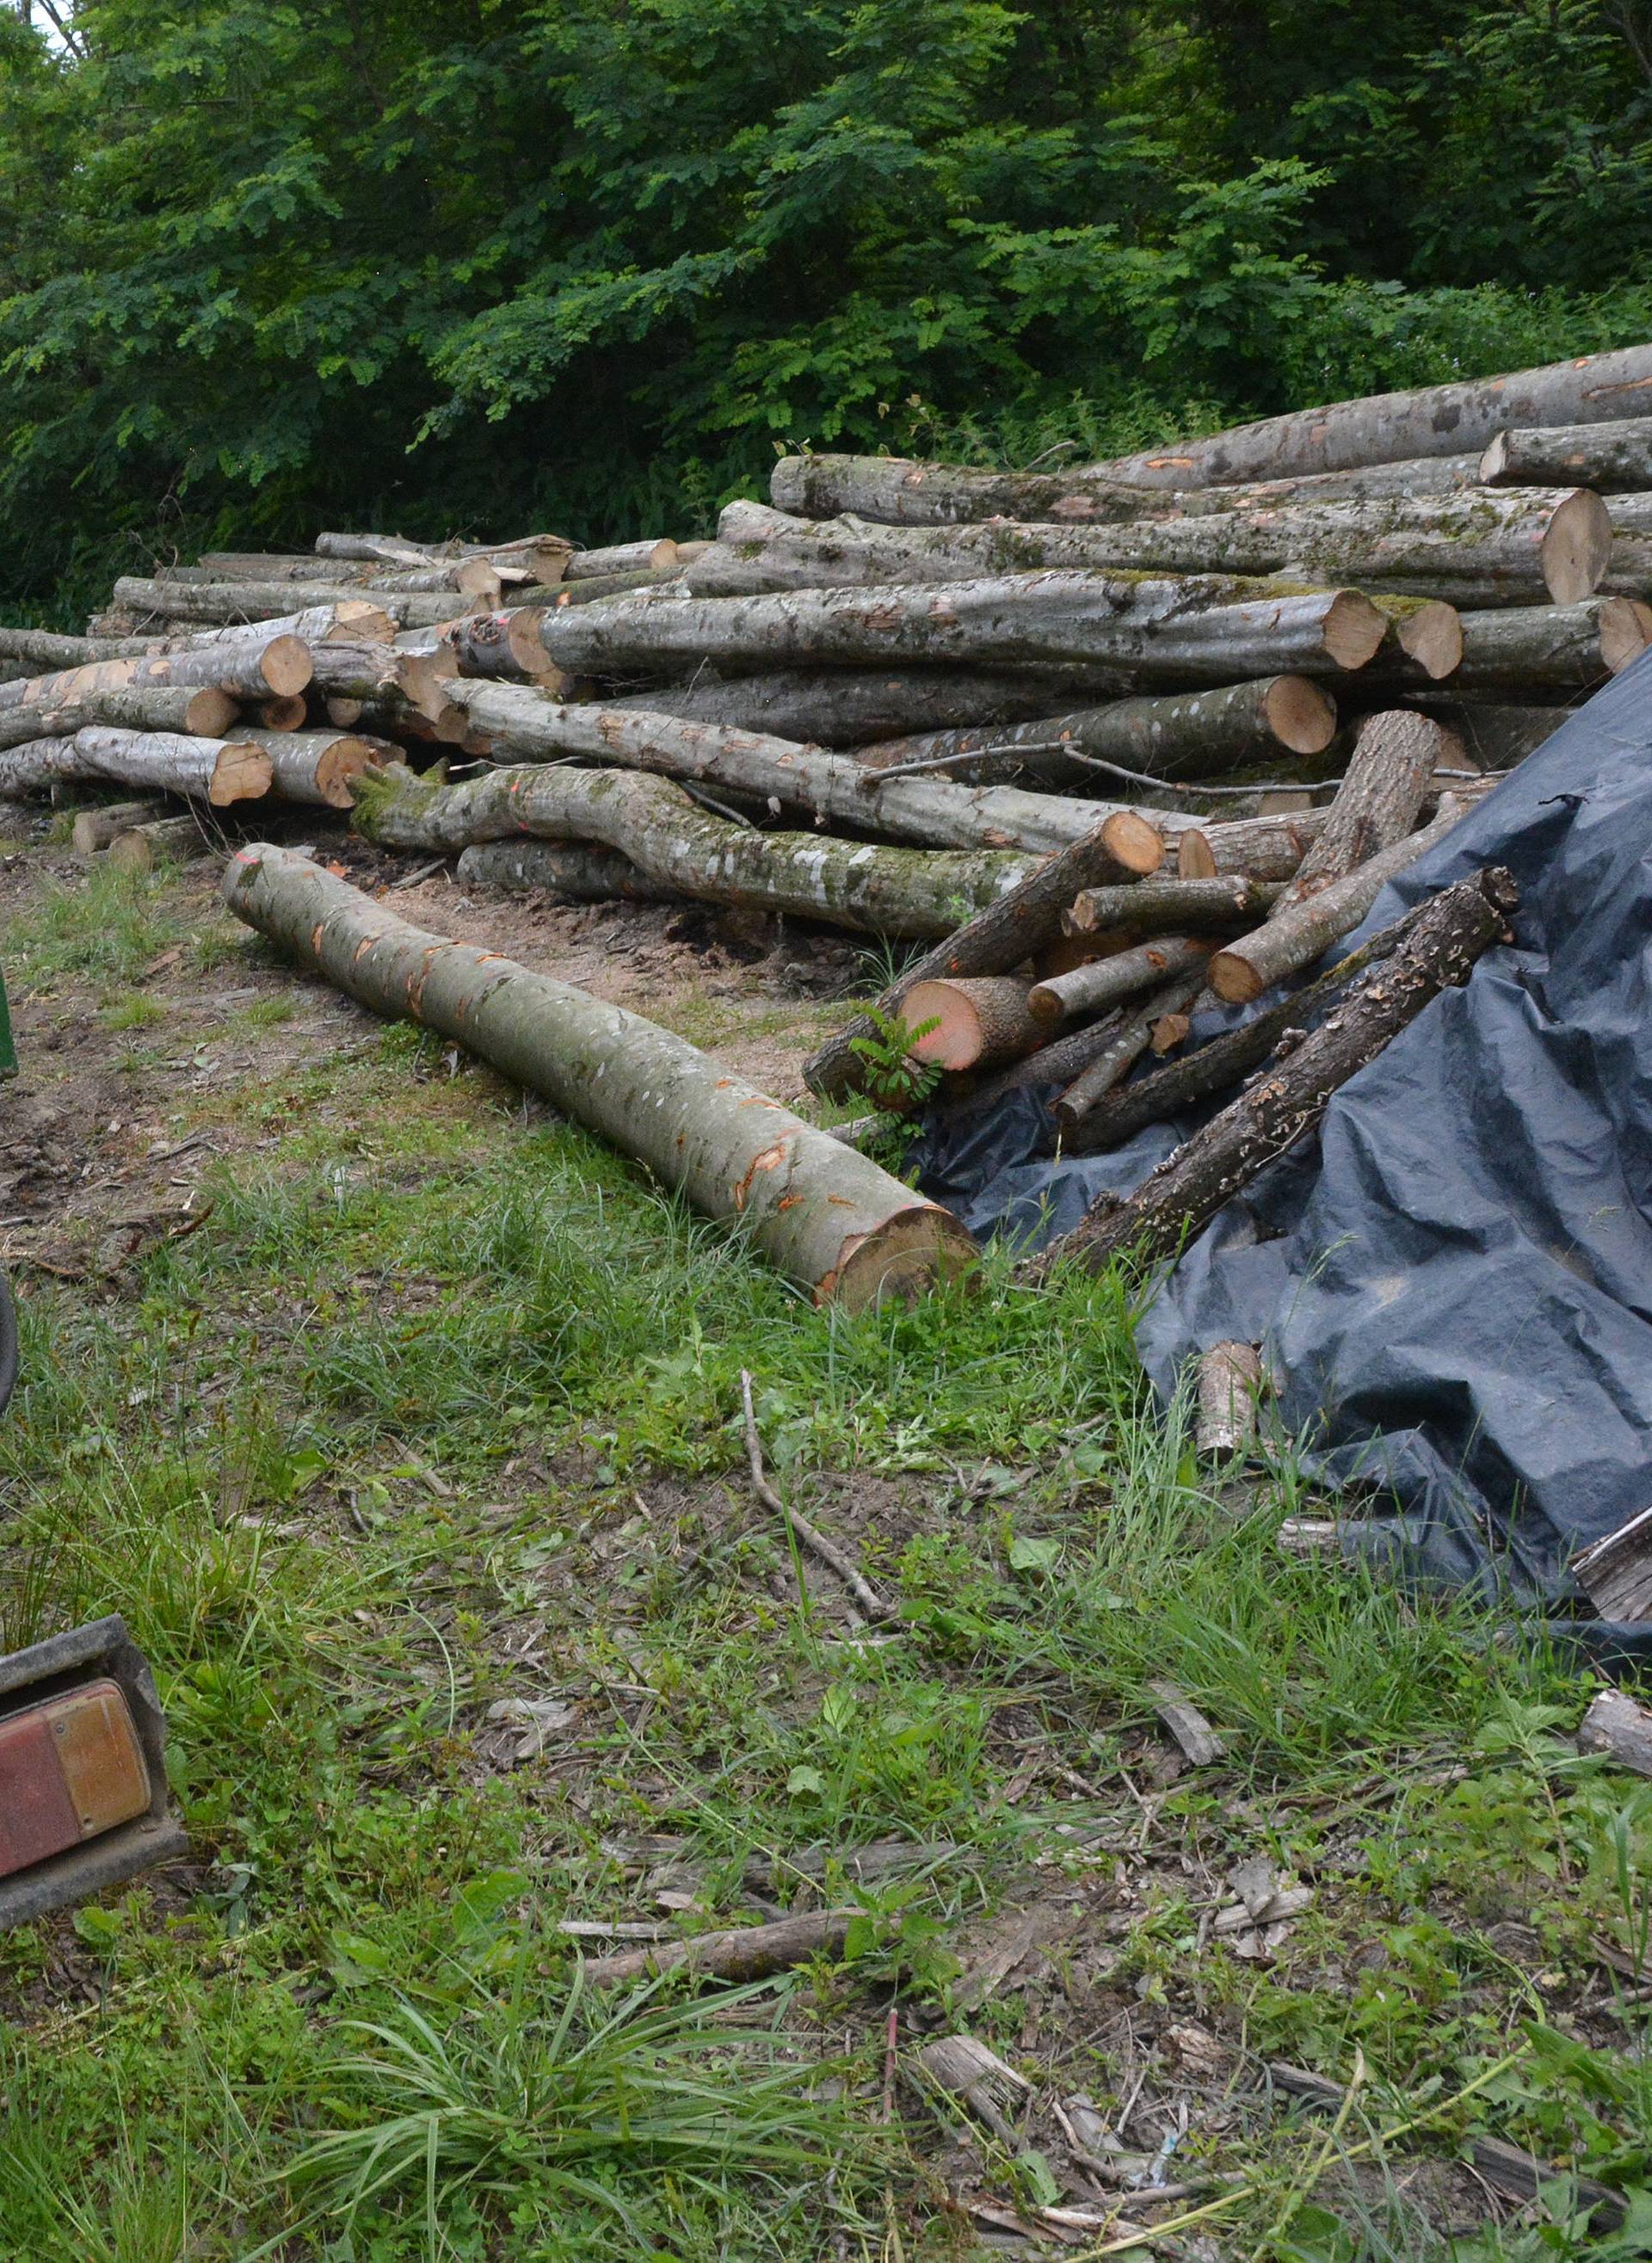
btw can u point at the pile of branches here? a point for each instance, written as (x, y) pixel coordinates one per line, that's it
(1111, 739)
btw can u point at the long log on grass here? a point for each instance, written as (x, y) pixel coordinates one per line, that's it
(819, 1212)
(217, 771)
(1483, 547)
(1386, 428)
(567, 871)
(234, 602)
(1187, 1190)
(320, 767)
(845, 707)
(1299, 931)
(1609, 458)
(668, 836)
(1207, 631)
(1223, 1061)
(1177, 737)
(930, 812)
(1376, 805)
(902, 492)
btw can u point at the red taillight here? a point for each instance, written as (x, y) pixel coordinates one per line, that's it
(71, 1767)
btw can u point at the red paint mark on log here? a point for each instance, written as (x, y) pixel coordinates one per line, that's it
(769, 1159)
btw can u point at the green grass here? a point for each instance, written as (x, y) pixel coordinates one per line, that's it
(439, 1409)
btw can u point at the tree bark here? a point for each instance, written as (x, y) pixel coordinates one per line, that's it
(1526, 648)
(218, 770)
(643, 557)
(899, 492)
(1178, 737)
(95, 828)
(1394, 756)
(1269, 848)
(843, 708)
(1230, 1385)
(1483, 547)
(1165, 1092)
(1608, 457)
(1386, 428)
(1296, 934)
(929, 812)
(1102, 982)
(1205, 1173)
(978, 1021)
(1177, 630)
(1123, 1049)
(320, 767)
(202, 714)
(1002, 934)
(653, 822)
(818, 1210)
(565, 868)
(1616, 1572)
(1156, 908)
(235, 604)
(355, 622)
(363, 671)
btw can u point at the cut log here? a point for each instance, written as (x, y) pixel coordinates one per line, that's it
(1228, 1396)
(1203, 1174)
(978, 1021)
(502, 648)
(218, 770)
(1296, 934)
(1616, 1725)
(377, 549)
(821, 1213)
(1265, 847)
(1394, 756)
(1165, 1092)
(1123, 1049)
(44, 650)
(1424, 635)
(1190, 630)
(1170, 906)
(286, 714)
(1054, 1065)
(846, 708)
(95, 828)
(363, 671)
(1195, 734)
(174, 839)
(1386, 428)
(1485, 547)
(739, 1953)
(651, 821)
(172, 679)
(640, 582)
(997, 939)
(320, 767)
(1106, 981)
(202, 714)
(272, 565)
(238, 603)
(1608, 457)
(931, 813)
(899, 492)
(562, 870)
(621, 558)
(1616, 1573)
(1493, 737)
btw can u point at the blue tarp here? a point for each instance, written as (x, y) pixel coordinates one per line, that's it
(1453, 1281)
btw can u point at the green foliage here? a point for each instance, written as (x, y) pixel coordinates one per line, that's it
(264, 266)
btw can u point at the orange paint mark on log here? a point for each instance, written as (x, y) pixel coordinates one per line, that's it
(787, 1202)
(769, 1159)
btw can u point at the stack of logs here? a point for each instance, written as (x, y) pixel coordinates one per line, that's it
(1109, 740)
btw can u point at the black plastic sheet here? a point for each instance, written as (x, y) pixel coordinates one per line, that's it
(1453, 1282)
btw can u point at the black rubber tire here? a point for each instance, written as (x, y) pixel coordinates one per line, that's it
(8, 1344)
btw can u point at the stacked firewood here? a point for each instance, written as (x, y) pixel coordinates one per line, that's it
(1111, 739)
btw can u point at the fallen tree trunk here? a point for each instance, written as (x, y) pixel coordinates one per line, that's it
(376, 549)
(1297, 932)
(818, 1210)
(320, 767)
(1001, 935)
(1185, 629)
(217, 771)
(1394, 758)
(1386, 428)
(572, 871)
(638, 582)
(1102, 982)
(930, 812)
(1181, 736)
(1204, 1174)
(268, 565)
(1608, 457)
(847, 708)
(668, 837)
(202, 714)
(1483, 547)
(901, 492)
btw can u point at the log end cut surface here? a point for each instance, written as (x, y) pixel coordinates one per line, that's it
(1625, 631)
(286, 666)
(1299, 714)
(244, 772)
(1353, 630)
(900, 1260)
(1577, 547)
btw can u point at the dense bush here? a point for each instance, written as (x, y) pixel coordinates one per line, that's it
(489, 263)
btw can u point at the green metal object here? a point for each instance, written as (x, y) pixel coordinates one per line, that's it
(8, 1051)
